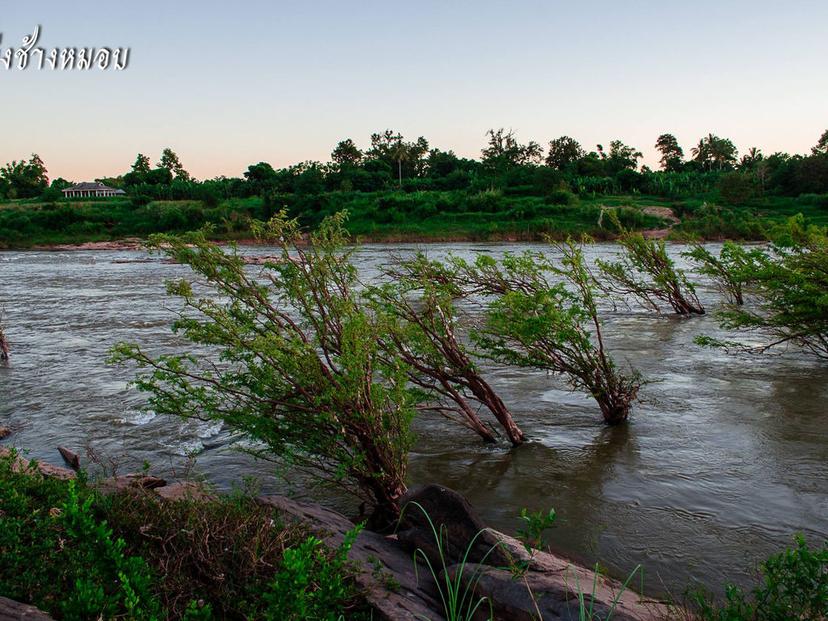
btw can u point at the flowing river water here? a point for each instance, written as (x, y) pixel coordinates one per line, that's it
(723, 461)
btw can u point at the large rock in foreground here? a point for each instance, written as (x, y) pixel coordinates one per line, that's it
(15, 611)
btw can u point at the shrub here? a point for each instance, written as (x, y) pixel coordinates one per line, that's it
(58, 553)
(80, 556)
(736, 188)
(312, 583)
(794, 585)
(561, 197)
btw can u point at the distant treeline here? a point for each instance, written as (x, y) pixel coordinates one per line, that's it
(406, 188)
(391, 162)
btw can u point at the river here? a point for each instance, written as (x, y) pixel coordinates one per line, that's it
(723, 460)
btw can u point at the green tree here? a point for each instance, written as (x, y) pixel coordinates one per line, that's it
(622, 157)
(727, 270)
(563, 153)
(751, 159)
(645, 272)
(407, 158)
(422, 322)
(544, 315)
(260, 177)
(821, 147)
(504, 149)
(292, 359)
(141, 166)
(170, 161)
(672, 155)
(25, 179)
(715, 153)
(788, 290)
(346, 153)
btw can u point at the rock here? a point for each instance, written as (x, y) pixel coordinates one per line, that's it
(555, 595)
(386, 578)
(11, 610)
(5, 432)
(113, 485)
(23, 465)
(184, 490)
(71, 459)
(460, 523)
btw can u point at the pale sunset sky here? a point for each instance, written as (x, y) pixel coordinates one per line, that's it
(227, 84)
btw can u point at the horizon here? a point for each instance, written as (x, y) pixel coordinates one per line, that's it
(226, 88)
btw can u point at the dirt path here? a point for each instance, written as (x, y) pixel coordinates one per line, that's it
(662, 212)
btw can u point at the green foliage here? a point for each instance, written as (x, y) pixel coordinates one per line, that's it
(729, 270)
(291, 358)
(531, 536)
(23, 179)
(416, 305)
(312, 583)
(736, 188)
(58, 552)
(789, 283)
(82, 556)
(647, 273)
(794, 585)
(544, 315)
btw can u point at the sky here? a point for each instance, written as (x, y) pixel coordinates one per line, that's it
(228, 84)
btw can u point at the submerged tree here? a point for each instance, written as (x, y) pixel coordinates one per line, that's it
(422, 328)
(545, 316)
(729, 270)
(647, 273)
(789, 291)
(289, 357)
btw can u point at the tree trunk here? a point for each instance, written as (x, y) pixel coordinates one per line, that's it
(473, 420)
(481, 389)
(615, 409)
(386, 511)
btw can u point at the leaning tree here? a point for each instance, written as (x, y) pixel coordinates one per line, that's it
(419, 300)
(290, 357)
(787, 299)
(544, 314)
(646, 273)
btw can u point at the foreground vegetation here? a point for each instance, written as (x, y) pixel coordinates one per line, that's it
(79, 555)
(399, 189)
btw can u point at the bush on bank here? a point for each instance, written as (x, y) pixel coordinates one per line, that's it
(79, 555)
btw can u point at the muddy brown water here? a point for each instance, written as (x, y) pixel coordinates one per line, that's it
(723, 461)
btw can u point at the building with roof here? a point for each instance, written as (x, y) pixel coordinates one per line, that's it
(91, 190)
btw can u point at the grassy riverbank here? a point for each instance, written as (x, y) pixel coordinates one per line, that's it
(401, 216)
